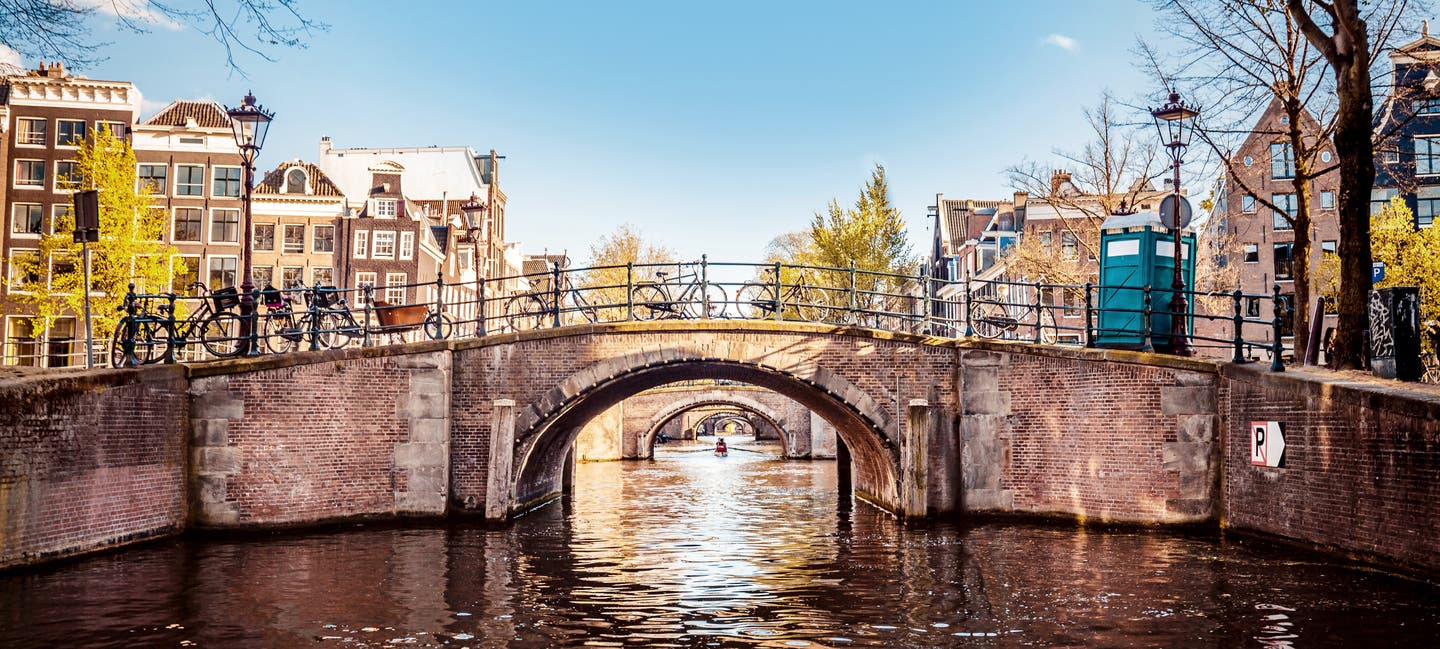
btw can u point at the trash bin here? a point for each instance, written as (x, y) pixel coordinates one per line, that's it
(1137, 251)
(1395, 333)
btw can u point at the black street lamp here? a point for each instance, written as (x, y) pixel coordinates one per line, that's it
(1173, 121)
(474, 211)
(250, 122)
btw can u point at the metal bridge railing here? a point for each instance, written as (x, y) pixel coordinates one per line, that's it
(167, 328)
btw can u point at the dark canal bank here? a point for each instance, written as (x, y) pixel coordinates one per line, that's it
(697, 551)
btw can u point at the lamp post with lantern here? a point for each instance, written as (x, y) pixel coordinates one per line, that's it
(474, 212)
(250, 122)
(1174, 121)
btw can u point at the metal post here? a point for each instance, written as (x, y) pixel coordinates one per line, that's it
(778, 306)
(704, 285)
(555, 291)
(132, 327)
(369, 305)
(1239, 320)
(1089, 316)
(313, 304)
(1277, 347)
(1039, 306)
(1146, 344)
(170, 341)
(969, 326)
(925, 300)
(629, 291)
(854, 317)
(480, 307)
(89, 328)
(248, 310)
(1179, 344)
(439, 307)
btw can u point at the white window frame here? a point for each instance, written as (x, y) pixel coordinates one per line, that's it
(15, 179)
(407, 245)
(1323, 204)
(1247, 251)
(14, 359)
(175, 181)
(316, 269)
(55, 178)
(160, 191)
(50, 269)
(1432, 157)
(14, 211)
(85, 126)
(117, 129)
(57, 210)
(284, 245)
(12, 281)
(395, 290)
(361, 249)
(393, 206)
(388, 237)
(199, 264)
(299, 275)
(315, 238)
(44, 137)
(1252, 207)
(210, 267)
(239, 183)
(175, 224)
(255, 240)
(239, 226)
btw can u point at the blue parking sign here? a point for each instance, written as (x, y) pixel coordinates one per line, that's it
(1377, 272)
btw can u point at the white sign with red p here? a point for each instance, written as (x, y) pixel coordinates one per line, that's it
(1267, 444)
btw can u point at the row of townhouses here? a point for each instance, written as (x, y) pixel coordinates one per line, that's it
(388, 218)
(972, 237)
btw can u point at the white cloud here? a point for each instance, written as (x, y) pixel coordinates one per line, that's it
(1061, 41)
(10, 56)
(134, 11)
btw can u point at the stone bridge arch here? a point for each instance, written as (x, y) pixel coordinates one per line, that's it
(717, 397)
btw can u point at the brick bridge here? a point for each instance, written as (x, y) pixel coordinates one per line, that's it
(489, 426)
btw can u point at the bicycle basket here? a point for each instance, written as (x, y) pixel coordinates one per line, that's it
(271, 297)
(225, 298)
(326, 296)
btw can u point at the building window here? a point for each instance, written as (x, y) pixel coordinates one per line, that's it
(187, 223)
(1328, 248)
(1068, 245)
(224, 226)
(1327, 200)
(323, 275)
(1247, 204)
(153, 178)
(1429, 106)
(1047, 239)
(294, 239)
(262, 276)
(67, 176)
(116, 129)
(385, 208)
(324, 238)
(1427, 155)
(62, 216)
(62, 264)
(30, 131)
(30, 173)
(1281, 218)
(184, 271)
(384, 245)
(1252, 253)
(1380, 197)
(227, 182)
(395, 288)
(1283, 265)
(264, 236)
(362, 280)
(1282, 161)
(27, 219)
(1425, 209)
(1252, 307)
(222, 272)
(190, 180)
(69, 132)
(292, 276)
(407, 245)
(362, 241)
(22, 346)
(295, 181)
(27, 274)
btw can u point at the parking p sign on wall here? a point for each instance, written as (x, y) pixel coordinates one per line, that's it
(1267, 444)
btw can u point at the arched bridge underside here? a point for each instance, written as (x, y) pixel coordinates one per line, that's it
(715, 398)
(530, 394)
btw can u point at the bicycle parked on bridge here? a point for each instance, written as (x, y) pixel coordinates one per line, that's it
(155, 335)
(534, 310)
(802, 297)
(685, 296)
(994, 316)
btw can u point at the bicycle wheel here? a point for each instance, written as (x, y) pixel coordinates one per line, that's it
(1049, 332)
(988, 318)
(812, 304)
(220, 334)
(324, 337)
(151, 341)
(695, 307)
(525, 312)
(755, 301)
(651, 302)
(282, 332)
(438, 326)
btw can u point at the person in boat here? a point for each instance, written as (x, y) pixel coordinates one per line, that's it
(721, 448)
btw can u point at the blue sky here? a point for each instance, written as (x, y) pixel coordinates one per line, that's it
(712, 127)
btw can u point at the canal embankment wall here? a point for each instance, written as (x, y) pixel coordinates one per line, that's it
(90, 460)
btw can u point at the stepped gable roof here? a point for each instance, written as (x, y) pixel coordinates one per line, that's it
(320, 184)
(207, 114)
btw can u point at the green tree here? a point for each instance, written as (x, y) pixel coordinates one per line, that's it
(606, 281)
(1412, 257)
(871, 235)
(129, 250)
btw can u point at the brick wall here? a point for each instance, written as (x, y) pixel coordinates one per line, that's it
(1106, 436)
(307, 438)
(90, 460)
(1361, 469)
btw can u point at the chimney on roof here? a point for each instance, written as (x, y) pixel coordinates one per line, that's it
(1058, 179)
(324, 144)
(1020, 199)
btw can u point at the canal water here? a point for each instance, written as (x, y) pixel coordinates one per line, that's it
(692, 550)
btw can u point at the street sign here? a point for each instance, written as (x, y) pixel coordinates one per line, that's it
(1267, 444)
(1167, 212)
(1377, 272)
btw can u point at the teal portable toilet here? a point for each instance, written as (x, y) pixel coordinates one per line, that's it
(1137, 251)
